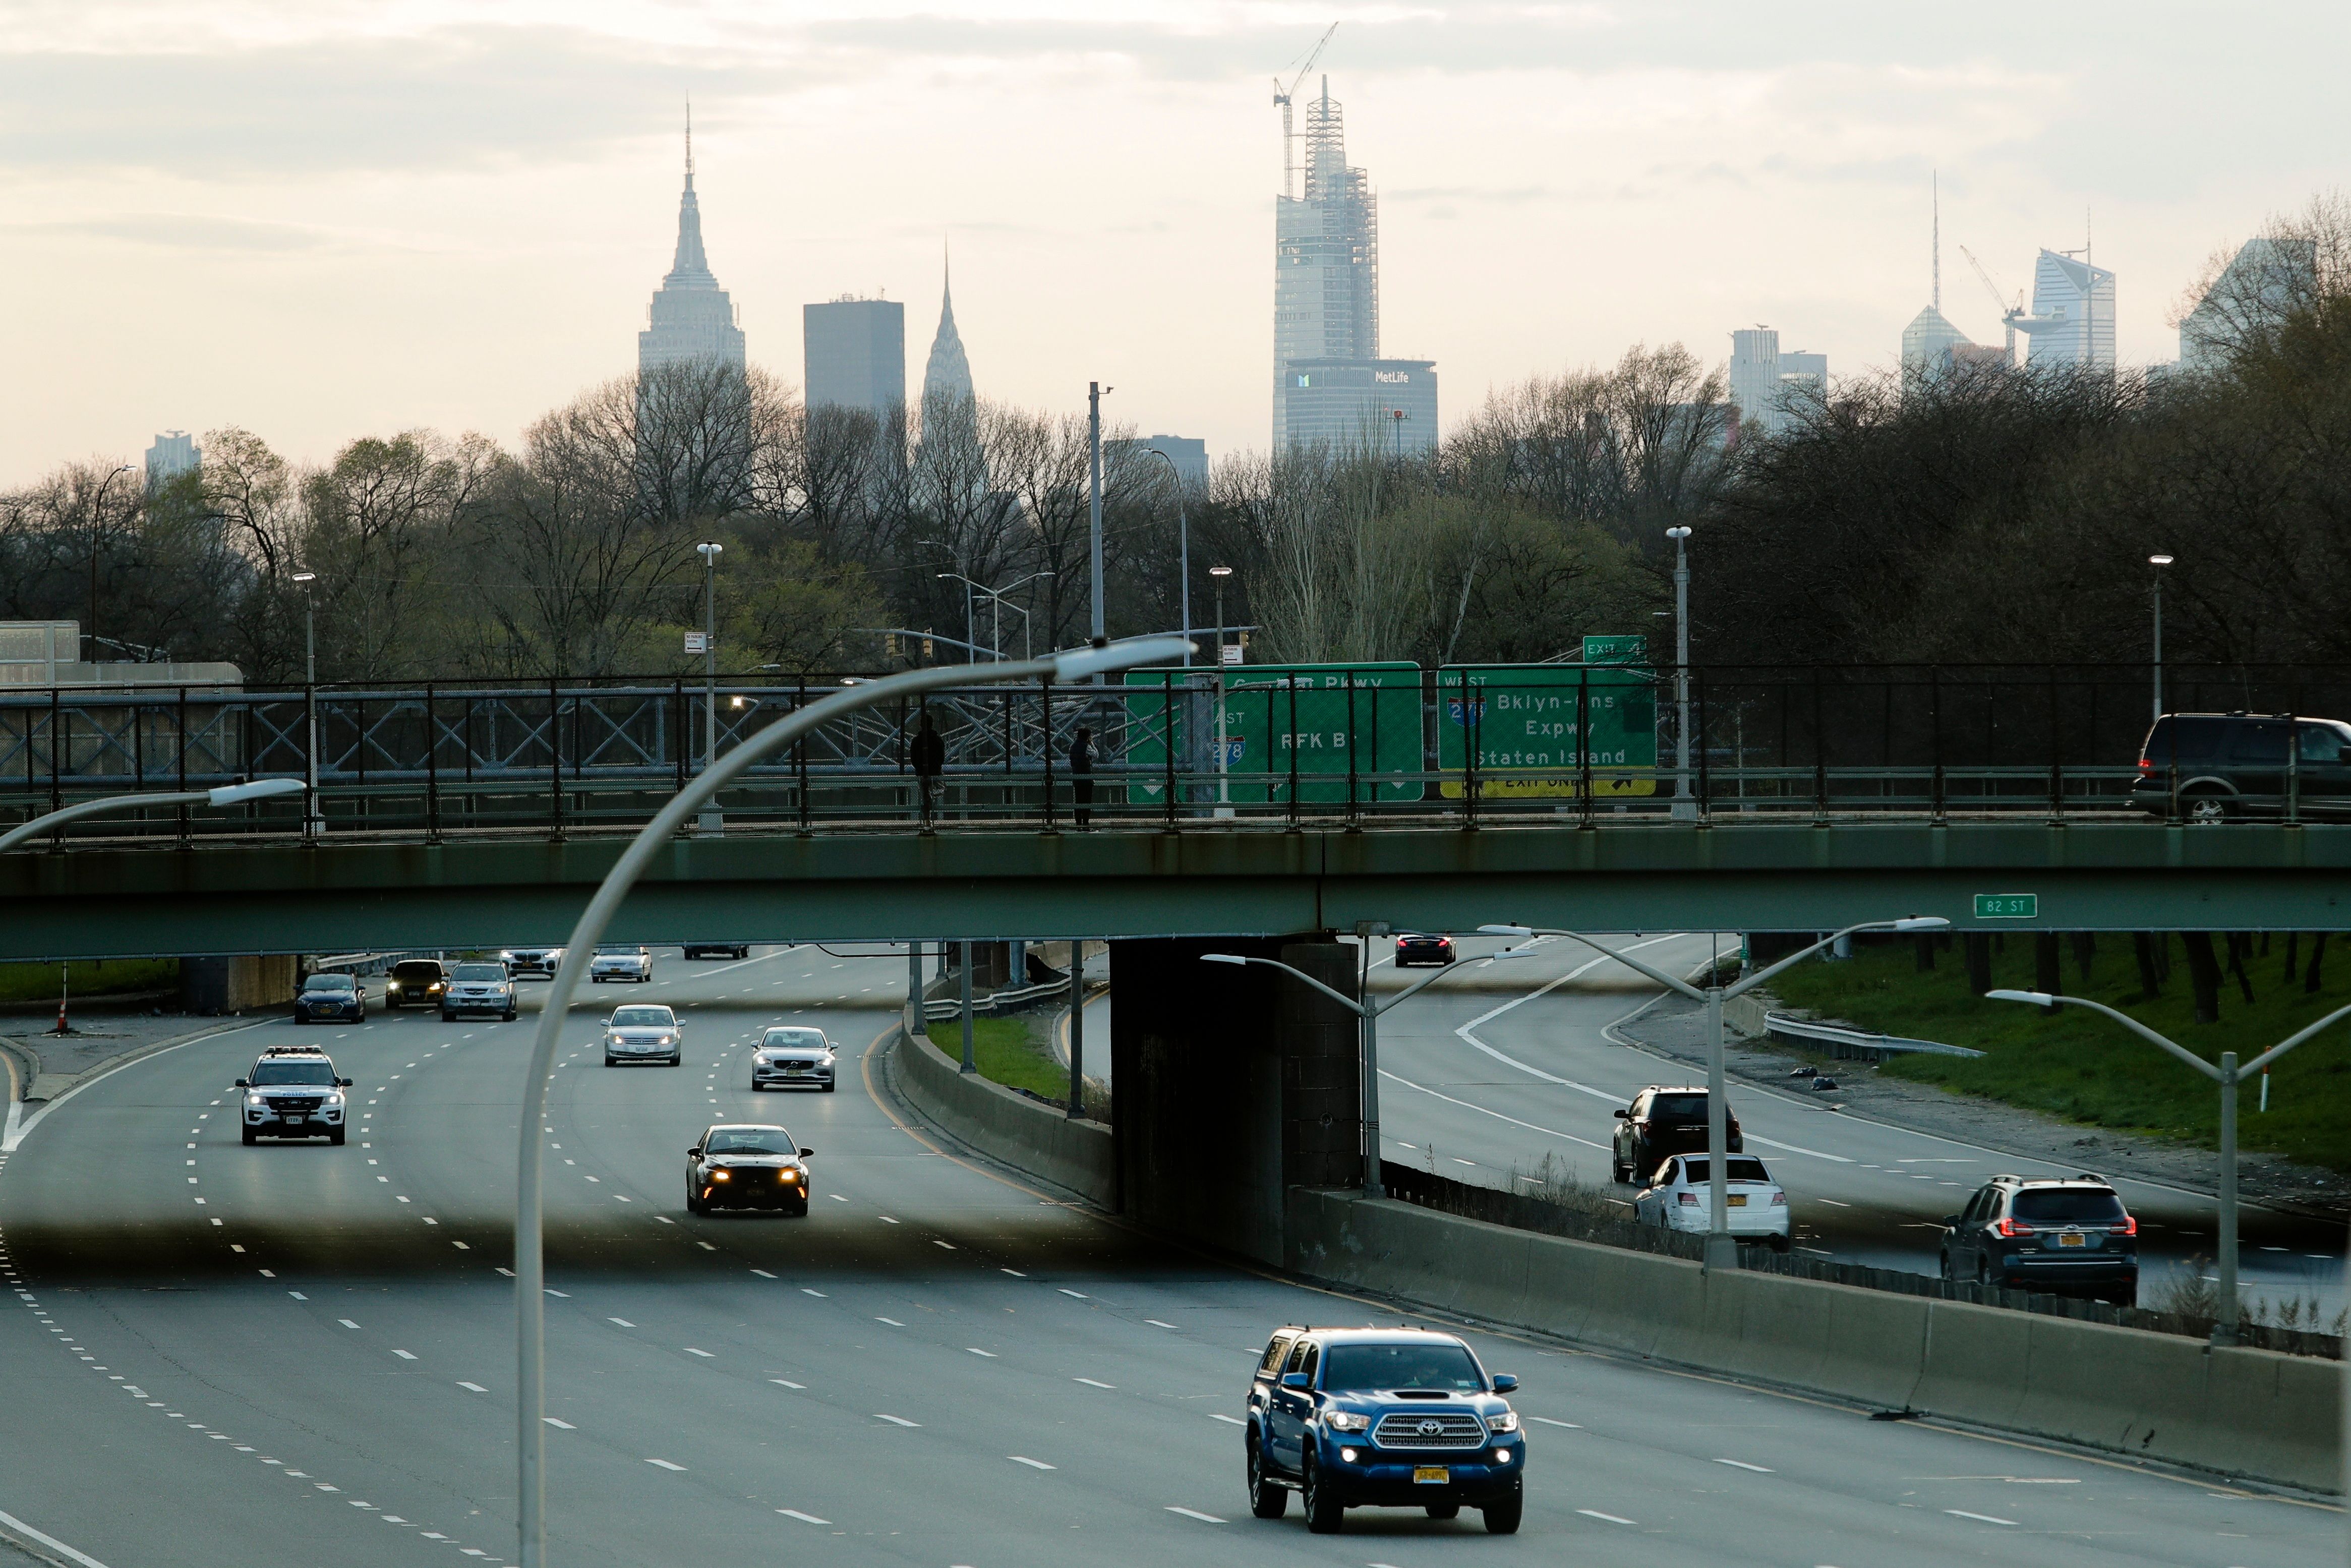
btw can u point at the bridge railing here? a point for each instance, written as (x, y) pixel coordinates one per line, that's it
(1354, 744)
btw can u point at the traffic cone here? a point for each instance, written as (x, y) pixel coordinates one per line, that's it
(63, 1027)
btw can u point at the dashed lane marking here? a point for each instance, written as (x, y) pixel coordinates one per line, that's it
(1194, 1513)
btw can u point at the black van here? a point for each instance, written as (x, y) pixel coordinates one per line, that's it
(2211, 767)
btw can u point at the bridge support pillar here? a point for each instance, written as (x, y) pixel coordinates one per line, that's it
(1231, 1085)
(211, 986)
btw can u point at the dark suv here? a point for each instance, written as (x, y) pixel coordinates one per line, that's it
(414, 983)
(1661, 1122)
(2060, 1236)
(2209, 766)
(1382, 1418)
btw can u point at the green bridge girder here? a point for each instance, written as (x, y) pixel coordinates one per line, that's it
(100, 901)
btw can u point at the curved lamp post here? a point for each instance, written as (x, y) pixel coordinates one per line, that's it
(1369, 1011)
(2228, 1075)
(227, 795)
(1722, 1251)
(530, 1258)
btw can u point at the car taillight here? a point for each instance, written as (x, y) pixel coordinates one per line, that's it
(2129, 1226)
(1689, 1197)
(2013, 1228)
(2146, 768)
(1779, 1200)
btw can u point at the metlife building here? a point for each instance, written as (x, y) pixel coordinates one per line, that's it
(1356, 403)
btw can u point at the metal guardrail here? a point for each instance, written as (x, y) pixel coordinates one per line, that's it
(1855, 1044)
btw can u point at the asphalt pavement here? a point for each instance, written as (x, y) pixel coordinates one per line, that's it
(1482, 1084)
(296, 1355)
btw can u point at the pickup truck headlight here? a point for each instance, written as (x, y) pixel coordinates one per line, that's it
(1346, 1421)
(1508, 1421)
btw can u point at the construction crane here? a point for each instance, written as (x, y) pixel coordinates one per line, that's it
(2009, 314)
(1282, 101)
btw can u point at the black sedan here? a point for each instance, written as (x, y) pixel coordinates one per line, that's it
(746, 1165)
(1417, 948)
(329, 996)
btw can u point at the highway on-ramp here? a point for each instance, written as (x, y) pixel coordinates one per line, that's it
(222, 1357)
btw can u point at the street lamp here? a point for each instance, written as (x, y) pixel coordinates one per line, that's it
(1095, 393)
(2158, 562)
(97, 521)
(712, 821)
(313, 822)
(227, 795)
(1722, 1251)
(1684, 807)
(2228, 1075)
(1182, 544)
(1224, 800)
(530, 1257)
(1369, 1011)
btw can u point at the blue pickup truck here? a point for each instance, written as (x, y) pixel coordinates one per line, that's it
(1382, 1418)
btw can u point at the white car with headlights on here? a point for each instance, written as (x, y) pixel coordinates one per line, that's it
(1676, 1200)
(793, 1056)
(620, 962)
(645, 1033)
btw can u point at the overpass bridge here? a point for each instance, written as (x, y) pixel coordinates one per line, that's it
(281, 893)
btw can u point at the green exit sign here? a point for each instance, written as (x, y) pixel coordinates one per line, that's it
(2007, 906)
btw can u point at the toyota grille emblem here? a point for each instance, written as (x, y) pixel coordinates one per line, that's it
(1431, 1429)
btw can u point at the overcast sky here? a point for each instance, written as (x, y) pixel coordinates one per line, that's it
(320, 220)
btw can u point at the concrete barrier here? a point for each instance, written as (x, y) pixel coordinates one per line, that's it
(2250, 1413)
(1038, 1139)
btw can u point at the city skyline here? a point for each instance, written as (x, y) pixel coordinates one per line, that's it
(1555, 186)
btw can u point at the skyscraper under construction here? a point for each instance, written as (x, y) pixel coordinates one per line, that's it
(1329, 383)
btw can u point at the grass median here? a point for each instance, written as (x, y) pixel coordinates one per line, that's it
(1005, 1052)
(94, 979)
(2086, 1069)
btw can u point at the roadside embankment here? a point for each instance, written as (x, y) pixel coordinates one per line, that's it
(1029, 1136)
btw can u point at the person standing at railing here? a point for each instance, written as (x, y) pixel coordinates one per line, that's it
(1081, 777)
(930, 762)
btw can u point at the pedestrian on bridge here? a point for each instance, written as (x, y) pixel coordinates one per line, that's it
(930, 761)
(1081, 777)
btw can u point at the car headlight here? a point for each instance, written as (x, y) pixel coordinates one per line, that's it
(255, 1100)
(1346, 1421)
(788, 1176)
(1508, 1421)
(392, 986)
(722, 1175)
(669, 1039)
(334, 1100)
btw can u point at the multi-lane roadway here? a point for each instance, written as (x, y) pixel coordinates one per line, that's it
(296, 1355)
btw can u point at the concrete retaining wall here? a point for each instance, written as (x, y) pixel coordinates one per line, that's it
(1004, 1126)
(2249, 1413)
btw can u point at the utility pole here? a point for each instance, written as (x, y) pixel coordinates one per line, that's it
(1684, 807)
(313, 822)
(712, 821)
(1095, 393)
(2158, 562)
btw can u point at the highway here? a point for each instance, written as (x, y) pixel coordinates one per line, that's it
(299, 1354)
(1484, 1076)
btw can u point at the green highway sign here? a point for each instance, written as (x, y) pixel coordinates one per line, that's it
(1630, 649)
(1537, 726)
(1324, 718)
(2007, 906)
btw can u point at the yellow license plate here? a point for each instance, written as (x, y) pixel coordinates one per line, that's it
(1430, 1475)
(2072, 1239)
(1738, 1200)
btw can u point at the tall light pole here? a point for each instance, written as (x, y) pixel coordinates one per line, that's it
(1721, 1250)
(313, 822)
(970, 634)
(1183, 545)
(97, 525)
(2158, 562)
(1095, 393)
(1224, 800)
(1369, 1013)
(1684, 807)
(2228, 1075)
(653, 839)
(227, 795)
(712, 821)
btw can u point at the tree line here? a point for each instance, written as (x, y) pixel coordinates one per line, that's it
(1980, 512)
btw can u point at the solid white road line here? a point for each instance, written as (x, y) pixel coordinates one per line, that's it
(1549, 1422)
(1228, 1420)
(1983, 1518)
(1032, 1464)
(1513, 1120)
(51, 1541)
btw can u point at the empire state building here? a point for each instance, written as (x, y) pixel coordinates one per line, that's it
(692, 318)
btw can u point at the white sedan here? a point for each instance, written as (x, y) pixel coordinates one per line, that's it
(620, 962)
(1676, 1200)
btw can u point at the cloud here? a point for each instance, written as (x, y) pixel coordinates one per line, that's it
(187, 231)
(461, 96)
